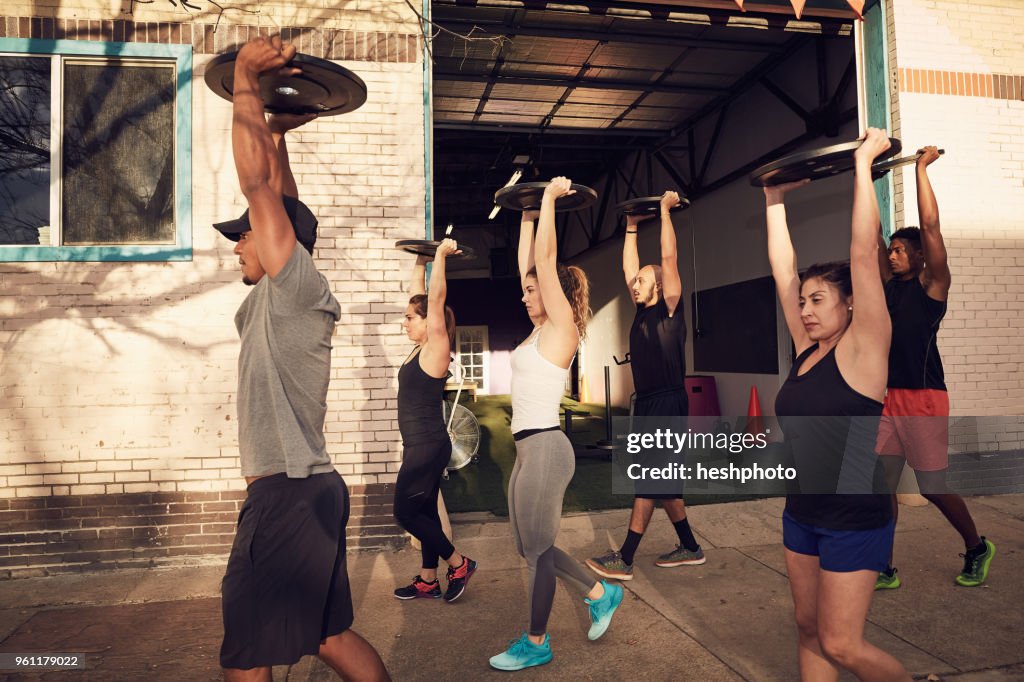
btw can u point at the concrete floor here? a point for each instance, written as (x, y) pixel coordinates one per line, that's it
(730, 619)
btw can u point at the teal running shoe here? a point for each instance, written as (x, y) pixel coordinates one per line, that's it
(523, 654)
(602, 610)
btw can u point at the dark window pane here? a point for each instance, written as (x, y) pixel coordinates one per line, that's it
(24, 150)
(118, 154)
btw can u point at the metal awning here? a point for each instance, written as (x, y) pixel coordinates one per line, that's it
(809, 7)
(554, 88)
(801, 8)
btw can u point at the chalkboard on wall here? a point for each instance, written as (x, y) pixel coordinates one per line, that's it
(735, 328)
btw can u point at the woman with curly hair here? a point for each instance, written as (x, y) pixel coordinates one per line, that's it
(557, 301)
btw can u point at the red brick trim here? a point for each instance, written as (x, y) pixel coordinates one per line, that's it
(72, 533)
(962, 84)
(335, 44)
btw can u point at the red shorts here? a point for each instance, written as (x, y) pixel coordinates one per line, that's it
(915, 425)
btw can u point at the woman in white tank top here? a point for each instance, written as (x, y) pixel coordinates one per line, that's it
(557, 301)
(537, 386)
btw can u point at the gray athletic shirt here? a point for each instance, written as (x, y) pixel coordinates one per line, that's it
(285, 324)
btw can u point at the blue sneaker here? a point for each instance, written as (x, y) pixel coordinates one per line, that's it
(601, 610)
(523, 654)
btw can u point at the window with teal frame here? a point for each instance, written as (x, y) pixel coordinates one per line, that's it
(95, 151)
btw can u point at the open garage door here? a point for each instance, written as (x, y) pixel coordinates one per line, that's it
(633, 99)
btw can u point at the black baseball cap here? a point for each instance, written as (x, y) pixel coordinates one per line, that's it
(303, 222)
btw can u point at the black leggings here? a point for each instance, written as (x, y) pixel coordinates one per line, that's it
(419, 480)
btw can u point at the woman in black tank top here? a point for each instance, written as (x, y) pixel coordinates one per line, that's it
(840, 326)
(426, 447)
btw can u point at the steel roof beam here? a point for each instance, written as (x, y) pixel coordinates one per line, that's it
(632, 37)
(550, 131)
(591, 84)
(752, 78)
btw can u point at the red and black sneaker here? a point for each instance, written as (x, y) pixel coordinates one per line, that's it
(458, 578)
(419, 589)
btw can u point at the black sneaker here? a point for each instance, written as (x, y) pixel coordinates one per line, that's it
(419, 589)
(458, 578)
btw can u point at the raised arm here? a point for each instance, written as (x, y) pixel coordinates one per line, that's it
(435, 356)
(671, 284)
(782, 258)
(936, 276)
(526, 243)
(257, 160)
(279, 125)
(871, 328)
(630, 256)
(418, 279)
(560, 346)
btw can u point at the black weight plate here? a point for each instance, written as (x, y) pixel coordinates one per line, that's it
(323, 87)
(427, 247)
(526, 197)
(649, 206)
(814, 164)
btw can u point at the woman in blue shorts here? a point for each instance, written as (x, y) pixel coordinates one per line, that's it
(837, 532)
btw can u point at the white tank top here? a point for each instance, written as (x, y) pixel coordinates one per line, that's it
(537, 388)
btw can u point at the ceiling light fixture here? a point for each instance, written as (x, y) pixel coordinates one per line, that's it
(511, 181)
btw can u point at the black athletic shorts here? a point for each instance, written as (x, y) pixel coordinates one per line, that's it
(286, 586)
(671, 402)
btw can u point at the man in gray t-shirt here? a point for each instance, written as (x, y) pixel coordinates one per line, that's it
(285, 592)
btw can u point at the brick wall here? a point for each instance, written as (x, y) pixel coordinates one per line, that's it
(70, 533)
(959, 68)
(340, 44)
(386, 16)
(118, 437)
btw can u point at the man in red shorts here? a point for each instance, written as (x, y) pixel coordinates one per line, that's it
(915, 421)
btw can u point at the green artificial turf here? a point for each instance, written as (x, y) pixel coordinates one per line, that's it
(483, 485)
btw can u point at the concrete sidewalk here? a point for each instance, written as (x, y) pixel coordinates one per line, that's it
(730, 619)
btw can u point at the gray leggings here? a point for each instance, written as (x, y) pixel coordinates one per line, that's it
(544, 466)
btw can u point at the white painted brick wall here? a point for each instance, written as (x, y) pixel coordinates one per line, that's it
(980, 181)
(980, 36)
(358, 15)
(980, 189)
(119, 377)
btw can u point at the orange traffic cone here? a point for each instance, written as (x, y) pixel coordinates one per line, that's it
(754, 422)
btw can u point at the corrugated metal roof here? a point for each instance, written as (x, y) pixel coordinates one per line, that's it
(567, 83)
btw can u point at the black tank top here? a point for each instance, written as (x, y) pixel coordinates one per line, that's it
(420, 418)
(830, 449)
(657, 349)
(914, 360)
